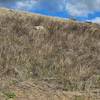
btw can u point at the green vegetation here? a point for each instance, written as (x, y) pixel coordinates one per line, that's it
(9, 95)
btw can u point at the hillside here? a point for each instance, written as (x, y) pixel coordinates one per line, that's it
(46, 55)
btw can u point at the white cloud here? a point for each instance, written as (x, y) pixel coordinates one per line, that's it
(25, 5)
(95, 20)
(82, 7)
(49, 5)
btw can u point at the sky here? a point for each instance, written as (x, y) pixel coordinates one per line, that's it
(83, 10)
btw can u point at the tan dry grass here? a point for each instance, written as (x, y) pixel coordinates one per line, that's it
(66, 53)
(38, 90)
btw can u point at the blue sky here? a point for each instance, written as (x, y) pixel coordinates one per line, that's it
(84, 10)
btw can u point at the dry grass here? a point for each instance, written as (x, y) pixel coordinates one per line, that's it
(66, 53)
(38, 90)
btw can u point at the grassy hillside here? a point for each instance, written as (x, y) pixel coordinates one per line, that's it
(61, 52)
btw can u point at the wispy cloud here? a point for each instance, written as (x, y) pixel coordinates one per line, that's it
(25, 5)
(49, 5)
(82, 7)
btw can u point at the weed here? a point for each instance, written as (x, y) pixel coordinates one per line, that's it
(9, 95)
